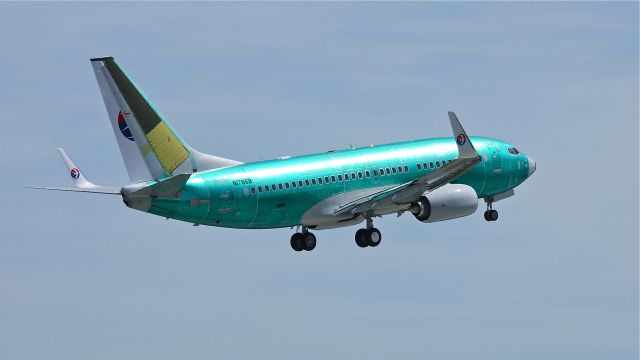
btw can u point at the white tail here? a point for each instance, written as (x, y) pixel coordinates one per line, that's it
(150, 148)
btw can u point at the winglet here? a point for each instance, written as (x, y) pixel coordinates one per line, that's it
(465, 147)
(76, 175)
(81, 183)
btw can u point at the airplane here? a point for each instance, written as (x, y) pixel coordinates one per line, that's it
(434, 179)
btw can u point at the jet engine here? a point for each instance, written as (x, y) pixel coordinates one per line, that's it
(447, 202)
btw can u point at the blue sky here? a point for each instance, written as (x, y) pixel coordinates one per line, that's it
(556, 277)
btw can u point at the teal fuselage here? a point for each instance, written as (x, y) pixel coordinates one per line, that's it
(237, 196)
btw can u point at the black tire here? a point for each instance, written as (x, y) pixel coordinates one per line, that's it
(361, 238)
(493, 215)
(486, 215)
(296, 242)
(308, 241)
(374, 237)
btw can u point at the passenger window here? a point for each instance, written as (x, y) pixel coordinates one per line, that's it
(313, 182)
(293, 184)
(273, 187)
(319, 180)
(353, 176)
(306, 182)
(388, 172)
(299, 183)
(339, 177)
(259, 188)
(419, 167)
(437, 163)
(359, 174)
(346, 177)
(286, 185)
(280, 186)
(326, 179)
(406, 168)
(367, 173)
(393, 170)
(375, 172)
(253, 190)
(333, 178)
(266, 188)
(431, 164)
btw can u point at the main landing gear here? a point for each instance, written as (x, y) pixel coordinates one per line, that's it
(369, 236)
(490, 214)
(303, 241)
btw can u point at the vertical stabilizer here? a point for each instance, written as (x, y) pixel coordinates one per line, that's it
(151, 149)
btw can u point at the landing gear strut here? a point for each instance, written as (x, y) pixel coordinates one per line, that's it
(490, 214)
(369, 236)
(303, 241)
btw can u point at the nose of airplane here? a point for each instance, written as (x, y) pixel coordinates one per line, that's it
(532, 165)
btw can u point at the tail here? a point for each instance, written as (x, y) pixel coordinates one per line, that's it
(150, 147)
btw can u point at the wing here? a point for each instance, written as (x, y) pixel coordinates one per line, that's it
(95, 190)
(411, 191)
(79, 181)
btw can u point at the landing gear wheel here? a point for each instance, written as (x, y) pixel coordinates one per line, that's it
(374, 237)
(486, 215)
(308, 241)
(296, 242)
(493, 215)
(361, 238)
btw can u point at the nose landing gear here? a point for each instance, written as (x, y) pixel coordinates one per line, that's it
(490, 214)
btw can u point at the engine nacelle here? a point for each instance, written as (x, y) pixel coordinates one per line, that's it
(447, 202)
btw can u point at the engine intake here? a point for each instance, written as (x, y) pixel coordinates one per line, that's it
(448, 202)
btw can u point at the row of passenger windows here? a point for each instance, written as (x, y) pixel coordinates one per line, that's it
(347, 177)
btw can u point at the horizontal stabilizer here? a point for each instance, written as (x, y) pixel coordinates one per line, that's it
(166, 187)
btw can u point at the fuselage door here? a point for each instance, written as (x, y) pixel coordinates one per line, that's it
(496, 159)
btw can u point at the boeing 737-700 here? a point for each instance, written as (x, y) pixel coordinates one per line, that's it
(434, 179)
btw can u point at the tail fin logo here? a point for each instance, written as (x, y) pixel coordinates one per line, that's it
(461, 139)
(124, 127)
(75, 173)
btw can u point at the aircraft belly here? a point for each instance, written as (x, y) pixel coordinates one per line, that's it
(322, 214)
